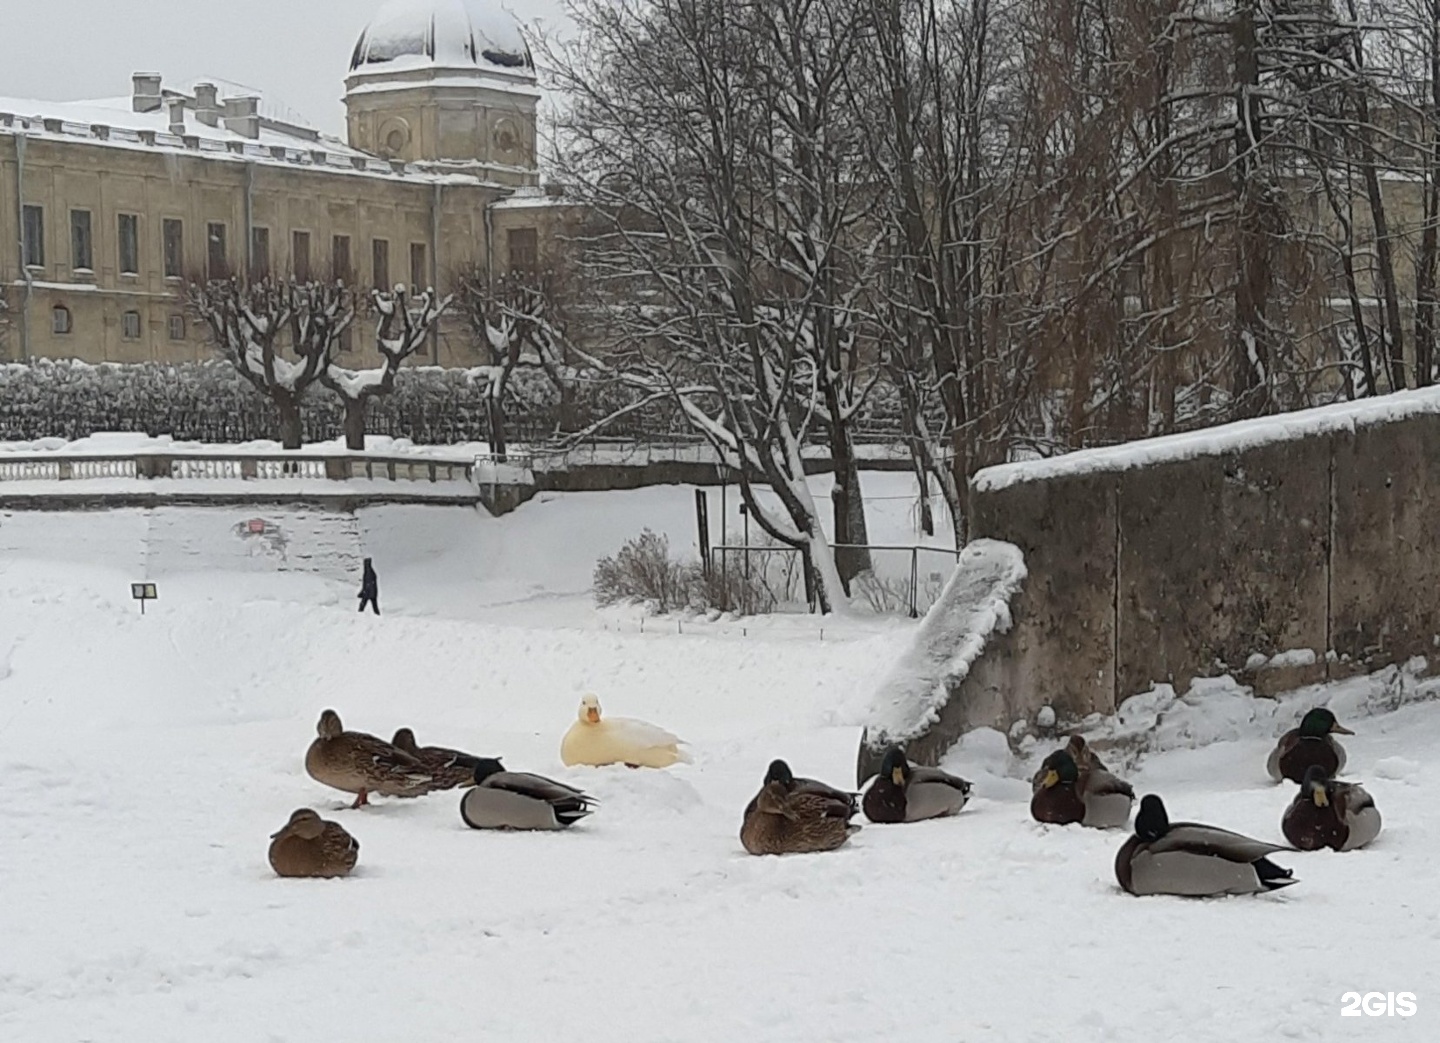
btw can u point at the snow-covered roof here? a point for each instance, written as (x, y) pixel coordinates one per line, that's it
(1216, 441)
(282, 137)
(409, 34)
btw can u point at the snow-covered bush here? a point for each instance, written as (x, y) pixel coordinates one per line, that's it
(643, 572)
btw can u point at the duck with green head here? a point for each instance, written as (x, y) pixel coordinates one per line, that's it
(904, 792)
(1327, 813)
(1310, 744)
(1193, 860)
(1065, 793)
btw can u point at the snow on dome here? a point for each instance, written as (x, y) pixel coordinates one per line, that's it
(440, 32)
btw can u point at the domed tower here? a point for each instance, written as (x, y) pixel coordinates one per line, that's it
(427, 86)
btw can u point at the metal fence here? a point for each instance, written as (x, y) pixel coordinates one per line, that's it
(904, 578)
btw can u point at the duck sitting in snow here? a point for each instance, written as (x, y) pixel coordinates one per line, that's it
(354, 762)
(1185, 858)
(1064, 793)
(1312, 743)
(504, 799)
(451, 768)
(598, 741)
(903, 792)
(308, 845)
(1080, 751)
(1327, 813)
(793, 815)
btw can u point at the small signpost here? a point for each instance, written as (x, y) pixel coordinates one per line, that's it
(143, 592)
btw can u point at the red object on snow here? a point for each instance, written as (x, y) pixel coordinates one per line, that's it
(257, 525)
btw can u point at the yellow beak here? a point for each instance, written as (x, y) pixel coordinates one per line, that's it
(1321, 798)
(898, 776)
(1052, 777)
(1340, 729)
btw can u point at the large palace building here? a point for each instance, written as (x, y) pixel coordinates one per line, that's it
(107, 207)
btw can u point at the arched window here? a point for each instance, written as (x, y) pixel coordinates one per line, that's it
(60, 319)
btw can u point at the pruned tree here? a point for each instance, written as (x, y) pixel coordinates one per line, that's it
(281, 336)
(404, 321)
(517, 317)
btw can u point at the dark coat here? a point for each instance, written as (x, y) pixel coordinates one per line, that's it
(369, 583)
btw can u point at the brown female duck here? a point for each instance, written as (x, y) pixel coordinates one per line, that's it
(354, 762)
(451, 768)
(792, 815)
(308, 845)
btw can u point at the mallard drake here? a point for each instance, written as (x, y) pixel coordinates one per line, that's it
(903, 792)
(354, 762)
(1185, 858)
(1328, 813)
(517, 800)
(618, 740)
(1310, 743)
(1064, 794)
(792, 815)
(451, 768)
(1083, 756)
(308, 845)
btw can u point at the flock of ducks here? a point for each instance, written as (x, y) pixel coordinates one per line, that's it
(792, 814)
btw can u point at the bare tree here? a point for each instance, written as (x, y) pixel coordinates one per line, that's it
(518, 319)
(404, 322)
(280, 336)
(728, 240)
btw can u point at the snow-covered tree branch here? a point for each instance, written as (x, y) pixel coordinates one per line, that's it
(403, 322)
(280, 336)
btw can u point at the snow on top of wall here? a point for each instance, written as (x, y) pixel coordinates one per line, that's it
(1215, 441)
(974, 606)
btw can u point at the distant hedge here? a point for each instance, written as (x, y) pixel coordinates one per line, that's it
(209, 402)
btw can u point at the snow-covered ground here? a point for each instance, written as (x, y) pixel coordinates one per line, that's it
(144, 761)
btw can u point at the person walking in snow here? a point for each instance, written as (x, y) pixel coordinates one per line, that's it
(369, 589)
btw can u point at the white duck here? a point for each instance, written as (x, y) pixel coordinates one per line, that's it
(618, 740)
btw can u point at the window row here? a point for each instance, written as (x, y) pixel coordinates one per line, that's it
(217, 264)
(131, 326)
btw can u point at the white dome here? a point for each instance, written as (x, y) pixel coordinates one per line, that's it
(440, 32)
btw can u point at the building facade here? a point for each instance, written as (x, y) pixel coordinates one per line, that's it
(108, 207)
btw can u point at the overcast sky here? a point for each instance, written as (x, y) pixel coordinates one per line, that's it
(295, 50)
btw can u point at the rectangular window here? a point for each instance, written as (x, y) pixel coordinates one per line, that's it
(177, 327)
(380, 263)
(129, 235)
(340, 269)
(82, 258)
(419, 275)
(524, 249)
(300, 255)
(130, 325)
(173, 234)
(217, 258)
(34, 236)
(259, 253)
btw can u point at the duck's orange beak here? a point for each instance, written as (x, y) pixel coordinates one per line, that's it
(592, 715)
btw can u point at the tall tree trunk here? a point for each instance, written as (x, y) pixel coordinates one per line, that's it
(355, 423)
(291, 433)
(1250, 359)
(496, 424)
